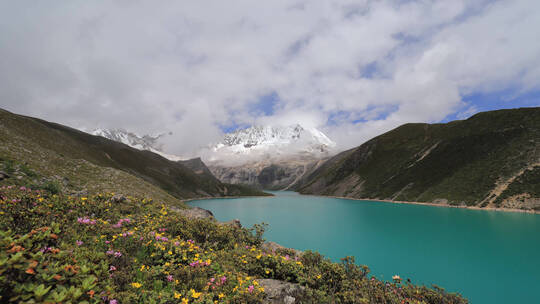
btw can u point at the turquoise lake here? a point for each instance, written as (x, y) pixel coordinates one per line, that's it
(487, 256)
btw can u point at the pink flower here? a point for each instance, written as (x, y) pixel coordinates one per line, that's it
(79, 243)
(113, 301)
(250, 288)
(223, 279)
(112, 268)
(169, 278)
(117, 254)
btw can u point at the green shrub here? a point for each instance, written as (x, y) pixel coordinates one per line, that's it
(57, 248)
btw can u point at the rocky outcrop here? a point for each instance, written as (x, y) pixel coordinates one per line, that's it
(281, 292)
(195, 213)
(273, 247)
(266, 175)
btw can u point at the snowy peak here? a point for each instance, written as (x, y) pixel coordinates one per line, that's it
(140, 142)
(257, 136)
(145, 142)
(264, 142)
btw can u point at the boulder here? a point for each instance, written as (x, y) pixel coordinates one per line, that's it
(195, 213)
(234, 223)
(117, 198)
(281, 292)
(272, 247)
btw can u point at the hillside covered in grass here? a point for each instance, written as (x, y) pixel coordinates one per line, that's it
(97, 249)
(85, 163)
(489, 160)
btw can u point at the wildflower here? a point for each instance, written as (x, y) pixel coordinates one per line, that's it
(91, 293)
(30, 271)
(136, 285)
(112, 268)
(221, 295)
(177, 295)
(79, 243)
(117, 254)
(250, 288)
(113, 301)
(185, 301)
(170, 278)
(195, 294)
(223, 279)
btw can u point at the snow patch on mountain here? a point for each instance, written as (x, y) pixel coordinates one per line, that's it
(269, 143)
(140, 142)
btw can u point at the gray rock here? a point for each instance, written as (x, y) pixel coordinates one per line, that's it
(280, 291)
(272, 247)
(195, 213)
(3, 175)
(234, 223)
(117, 198)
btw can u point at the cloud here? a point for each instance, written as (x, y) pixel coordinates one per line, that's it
(351, 68)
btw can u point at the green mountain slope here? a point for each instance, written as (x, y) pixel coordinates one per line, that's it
(54, 148)
(490, 160)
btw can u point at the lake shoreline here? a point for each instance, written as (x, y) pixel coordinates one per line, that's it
(434, 205)
(383, 201)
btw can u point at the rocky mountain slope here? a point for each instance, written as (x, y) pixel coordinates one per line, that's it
(277, 175)
(489, 160)
(269, 157)
(51, 147)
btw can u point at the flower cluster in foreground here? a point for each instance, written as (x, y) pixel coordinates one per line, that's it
(61, 249)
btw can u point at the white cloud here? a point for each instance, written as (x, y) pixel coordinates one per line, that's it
(191, 66)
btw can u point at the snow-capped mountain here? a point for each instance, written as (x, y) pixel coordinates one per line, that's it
(262, 142)
(141, 142)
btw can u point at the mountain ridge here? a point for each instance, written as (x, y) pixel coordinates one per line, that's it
(455, 163)
(53, 141)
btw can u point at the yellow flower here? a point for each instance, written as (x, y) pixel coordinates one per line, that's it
(221, 295)
(194, 294)
(142, 268)
(185, 301)
(83, 198)
(259, 256)
(136, 285)
(177, 295)
(319, 276)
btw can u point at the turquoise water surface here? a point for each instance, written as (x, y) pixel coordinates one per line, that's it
(487, 256)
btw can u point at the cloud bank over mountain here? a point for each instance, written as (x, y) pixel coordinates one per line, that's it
(352, 69)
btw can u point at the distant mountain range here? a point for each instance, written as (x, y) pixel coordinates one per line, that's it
(271, 142)
(489, 160)
(80, 160)
(140, 142)
(267, 157)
